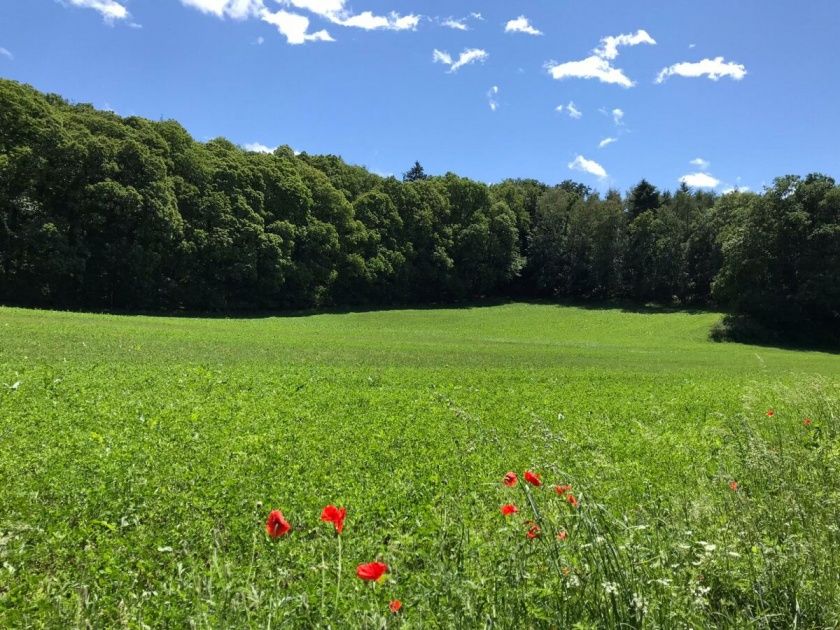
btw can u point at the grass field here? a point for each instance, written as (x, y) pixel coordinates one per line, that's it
(140, 457)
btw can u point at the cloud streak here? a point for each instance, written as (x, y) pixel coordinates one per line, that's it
(593, 67)
(467, 57)
(715, 69)
(110, 10)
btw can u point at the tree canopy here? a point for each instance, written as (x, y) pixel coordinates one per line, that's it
(101, 211)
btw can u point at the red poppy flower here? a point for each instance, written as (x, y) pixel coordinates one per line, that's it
(770, 413)
(533, 531)
(561, 490)
(572, 500)
(510, 479)
(508, 509)
(562, 535)
(807, 422)
(276, 525)
(532, 478)
(733, 485)
(371, 571)
(334, 515)
(395, 606)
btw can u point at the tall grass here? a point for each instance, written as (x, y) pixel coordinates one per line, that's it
(141, 456)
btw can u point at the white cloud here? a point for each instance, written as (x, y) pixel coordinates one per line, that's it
(236, 9)
(618, 116)
(110, 10)
(370, 22)
(258, 147)
(714, 69)
(701, 163)
(583, 165)
(336, 12)
(598, 66)
(609, 45)
(294, 27)
(571, 109)
(593, 67)
(458, 25)
(492, 99)
(521, 25)
(4, 52)
(321, 7)
(470, 55)
(606, 142)
(700, 180)
(733, 189)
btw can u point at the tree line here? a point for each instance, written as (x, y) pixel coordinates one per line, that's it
(104, 212)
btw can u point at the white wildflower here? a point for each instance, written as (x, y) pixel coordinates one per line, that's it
(640, 603)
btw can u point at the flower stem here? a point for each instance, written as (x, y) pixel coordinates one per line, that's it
(338, 581)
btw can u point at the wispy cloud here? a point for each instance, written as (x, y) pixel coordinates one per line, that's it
(456, 24)
(591, 167)
(571, 109)
(110, 10)
(700, 163)
(235, 9)
(492, 98)
(714, 69)
(294, 25)
(4, 52)
(469, 56)
(460, 24)
(618, 116)
(521, 25)
(336, 11)
(370, 22)
(606, 142)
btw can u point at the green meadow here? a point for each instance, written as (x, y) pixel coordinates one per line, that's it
(140, 457)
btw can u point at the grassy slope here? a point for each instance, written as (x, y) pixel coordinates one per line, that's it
(141, 454)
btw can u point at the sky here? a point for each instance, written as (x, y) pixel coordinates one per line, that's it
(721, 94)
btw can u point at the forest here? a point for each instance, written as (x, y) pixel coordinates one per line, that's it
(104, 212)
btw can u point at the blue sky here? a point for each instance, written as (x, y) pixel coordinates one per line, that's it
(749, 89)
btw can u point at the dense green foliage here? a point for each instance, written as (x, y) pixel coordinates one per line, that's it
(140, 457)
(99, 211)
